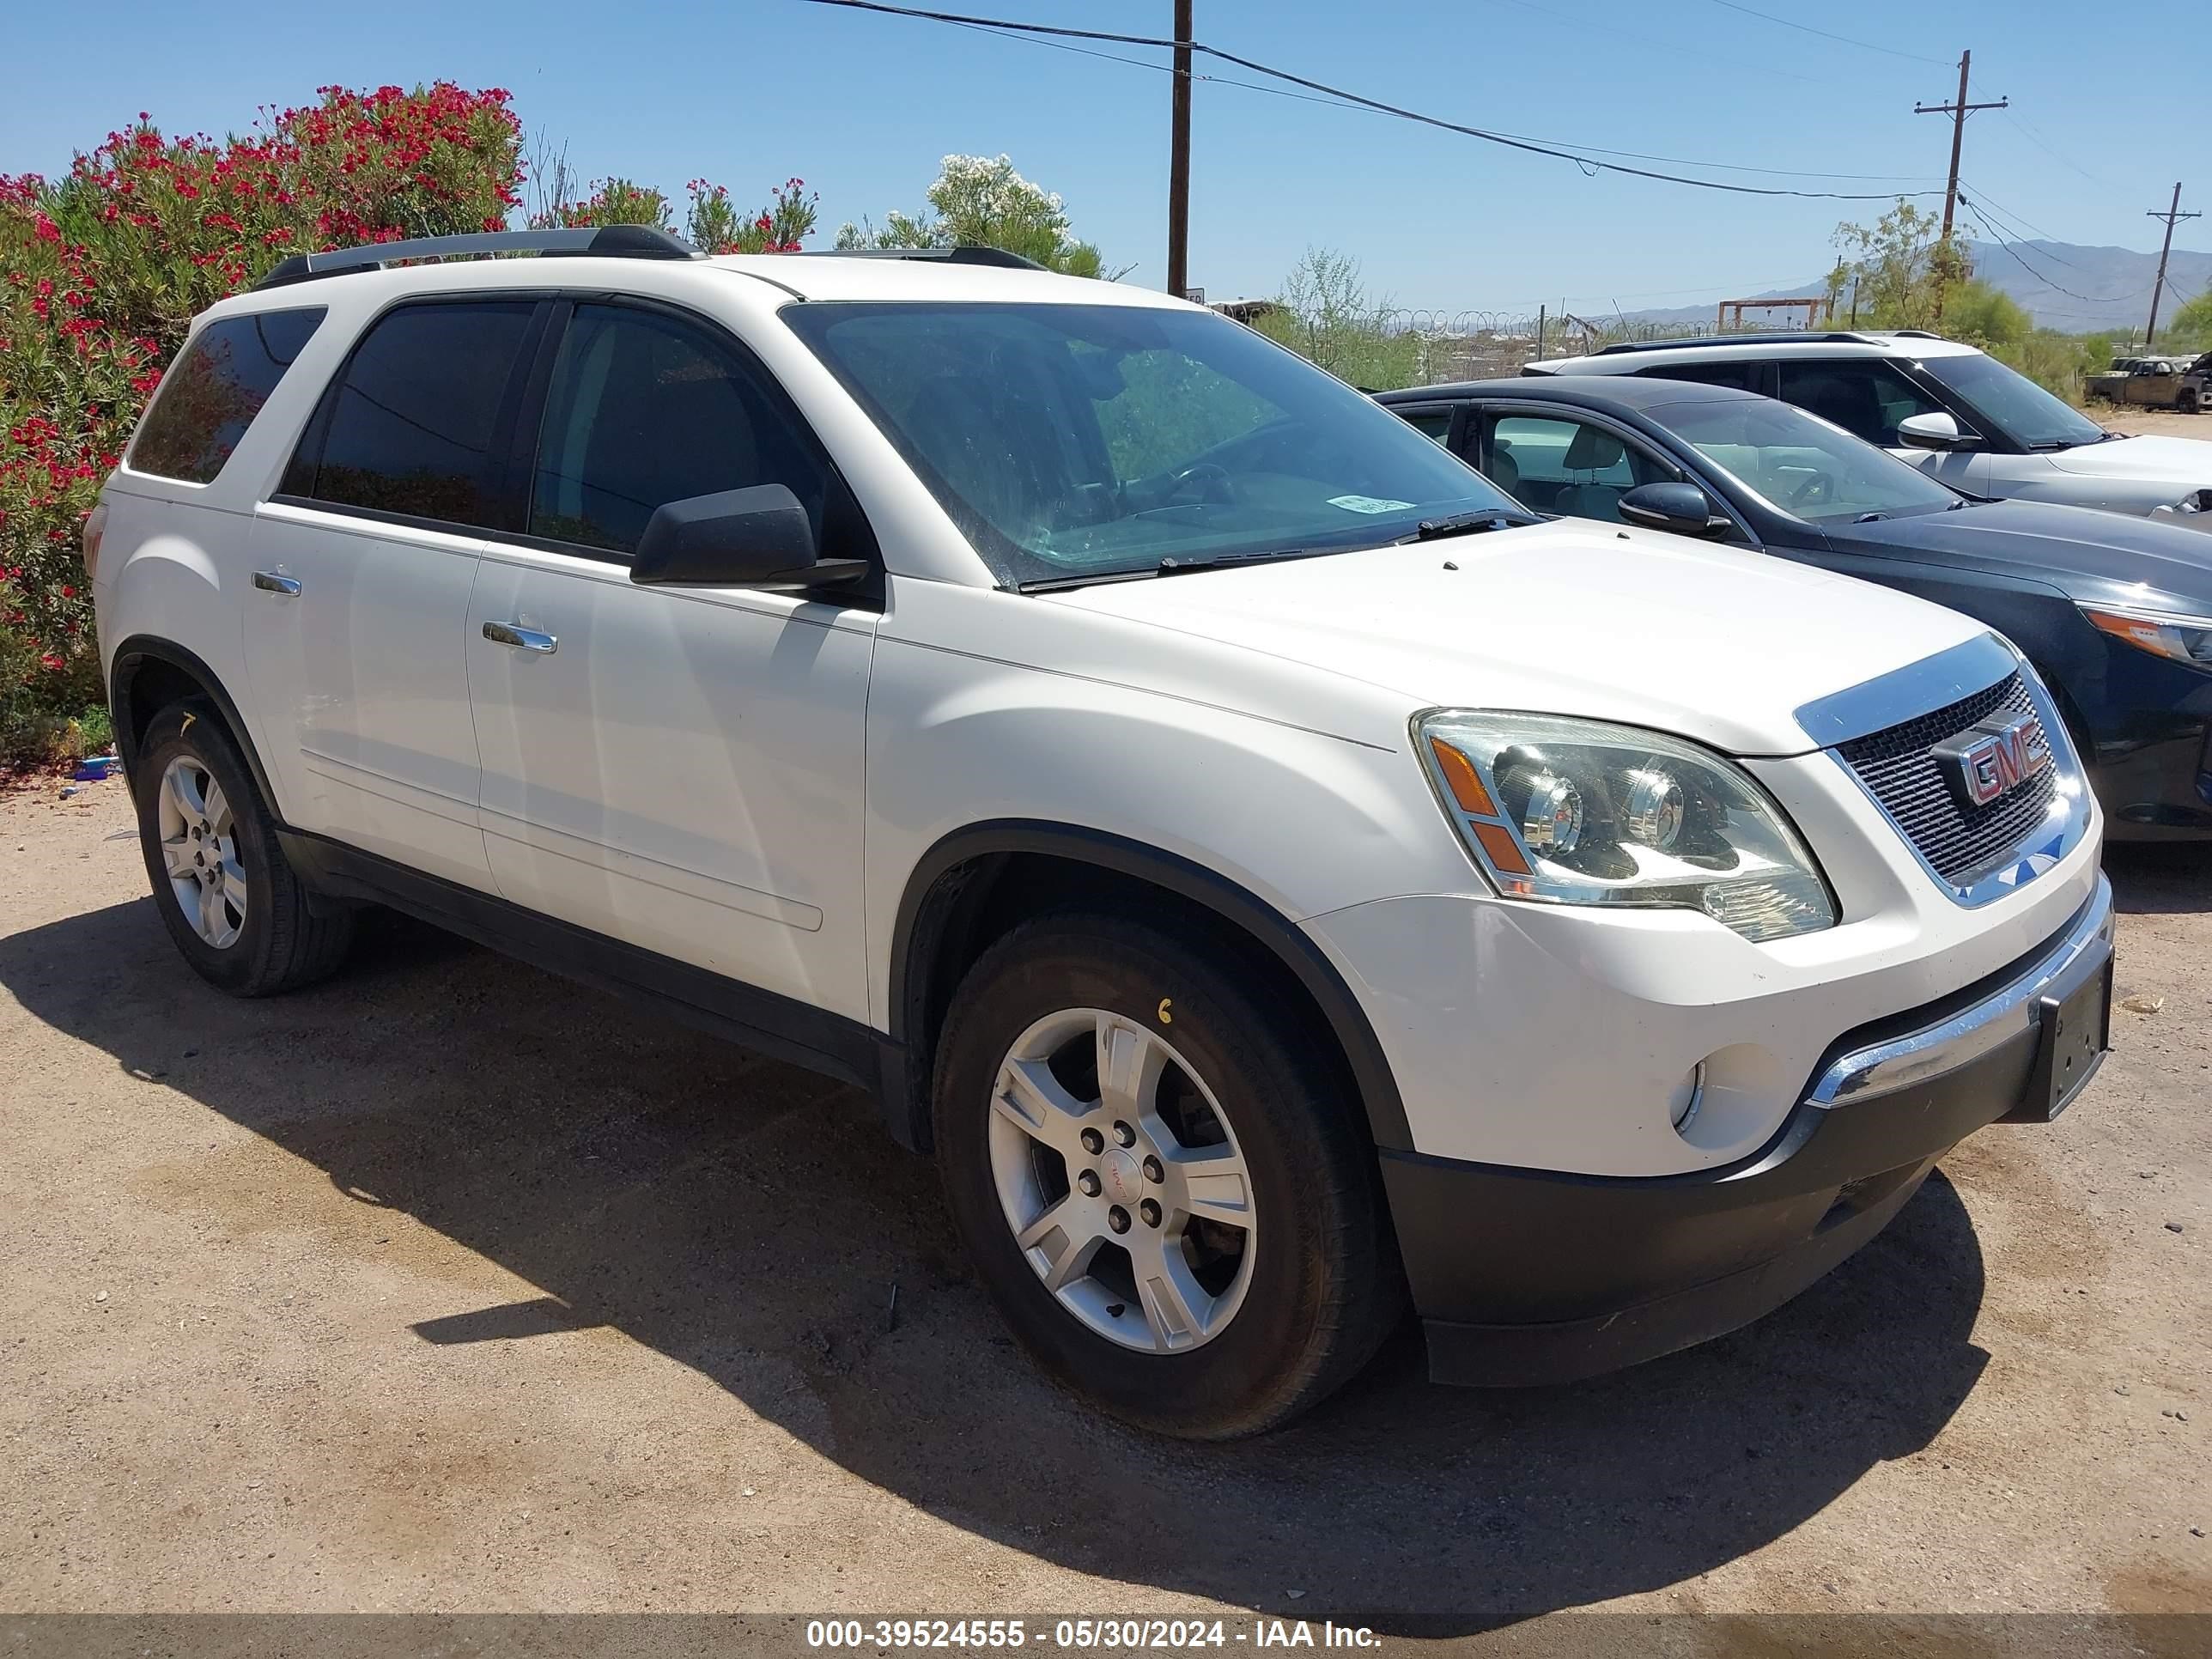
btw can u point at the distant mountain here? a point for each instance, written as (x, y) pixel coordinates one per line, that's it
(2060, 284)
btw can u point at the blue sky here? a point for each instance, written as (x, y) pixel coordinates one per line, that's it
(749, 92)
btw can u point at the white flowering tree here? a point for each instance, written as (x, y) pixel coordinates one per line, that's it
(981, 200)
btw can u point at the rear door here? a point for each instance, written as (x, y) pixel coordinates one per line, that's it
(363, 566)
(682, 769)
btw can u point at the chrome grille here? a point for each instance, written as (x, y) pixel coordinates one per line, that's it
(1899, 771)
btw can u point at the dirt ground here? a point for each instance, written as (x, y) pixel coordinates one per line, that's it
(450, 1285)
(2147, 423)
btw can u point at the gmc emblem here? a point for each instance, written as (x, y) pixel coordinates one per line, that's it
(1993, 757)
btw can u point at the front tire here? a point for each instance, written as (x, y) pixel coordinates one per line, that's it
(234, 907)
(1165, 1186)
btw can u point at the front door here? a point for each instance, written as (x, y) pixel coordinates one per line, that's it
(1870, 400)
(363, 566)
(1578, 469)
(681, 769)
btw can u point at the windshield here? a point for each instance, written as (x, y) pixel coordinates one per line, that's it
(1801, 464)
(1078, 440)
(2018, 408)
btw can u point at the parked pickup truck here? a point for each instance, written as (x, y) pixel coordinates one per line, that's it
(1280, 878)
(2154, 383)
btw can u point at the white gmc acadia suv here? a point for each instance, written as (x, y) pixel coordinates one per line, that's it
(1275, 875)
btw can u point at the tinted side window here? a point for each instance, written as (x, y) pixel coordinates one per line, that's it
(646, 409)
(1866, 398)
(211, 394)
(1738, 375)
(413, 425)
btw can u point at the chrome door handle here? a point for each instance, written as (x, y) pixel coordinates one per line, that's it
(522, 639)
(270, 582)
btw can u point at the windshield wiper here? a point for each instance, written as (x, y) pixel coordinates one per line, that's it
(1870, 518)
(1172, 566)
(1463, 524)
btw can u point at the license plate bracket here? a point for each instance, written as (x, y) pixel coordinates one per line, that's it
(2073, 1027)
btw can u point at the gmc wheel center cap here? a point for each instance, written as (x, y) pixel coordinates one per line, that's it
(1124, 1177)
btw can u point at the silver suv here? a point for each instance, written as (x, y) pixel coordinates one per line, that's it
(1950, 409)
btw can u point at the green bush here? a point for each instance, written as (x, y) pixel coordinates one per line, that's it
(50, 708)
(980, 201)
(1326, 315)
(2057, 361)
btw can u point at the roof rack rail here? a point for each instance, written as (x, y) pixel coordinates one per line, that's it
(1756, 336)
(967, 254)
(621, 241)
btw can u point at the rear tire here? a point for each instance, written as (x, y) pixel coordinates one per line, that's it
(1187, 1300)
(234, 907)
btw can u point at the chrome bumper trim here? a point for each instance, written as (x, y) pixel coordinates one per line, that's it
(1907, 693)
(1920, 1056)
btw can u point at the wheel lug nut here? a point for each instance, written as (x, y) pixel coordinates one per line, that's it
(1150, 1212)
(1118, 1220)
(1153, 1172)
(1093, 1142)
(1088, 1183)
(1125, 1134)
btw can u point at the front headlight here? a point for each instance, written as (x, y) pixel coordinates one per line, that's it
(1571, 811)
(2184, 638)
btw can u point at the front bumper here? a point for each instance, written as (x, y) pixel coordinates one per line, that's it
(1533, 1276)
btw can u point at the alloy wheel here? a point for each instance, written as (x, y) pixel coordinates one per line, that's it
(1122, 1181)
(199, 852)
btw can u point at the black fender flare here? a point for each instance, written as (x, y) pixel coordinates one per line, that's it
(132, 655)
(913, 940)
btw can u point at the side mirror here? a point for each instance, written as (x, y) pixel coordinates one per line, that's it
(1934, 430)
(1680, 508)
(755, 538)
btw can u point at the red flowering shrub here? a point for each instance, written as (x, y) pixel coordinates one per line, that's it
(102, 273)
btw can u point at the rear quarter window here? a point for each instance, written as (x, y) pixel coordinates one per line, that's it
(212, 392)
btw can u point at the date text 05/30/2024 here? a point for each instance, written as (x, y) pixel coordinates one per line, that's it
(1086, 1635)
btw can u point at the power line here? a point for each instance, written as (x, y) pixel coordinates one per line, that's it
(2012, 222)
(1338, 103)
(1361, 100)
(1845, 40)
(2021, 260)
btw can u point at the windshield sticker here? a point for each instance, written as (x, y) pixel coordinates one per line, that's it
(1367, 504)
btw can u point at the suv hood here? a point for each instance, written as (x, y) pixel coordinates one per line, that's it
(2100, 558)
(2186, 461)
(1564, 618)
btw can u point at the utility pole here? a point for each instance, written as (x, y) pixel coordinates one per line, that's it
(2172, 216)
(1958, 113)
(1179, 158)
